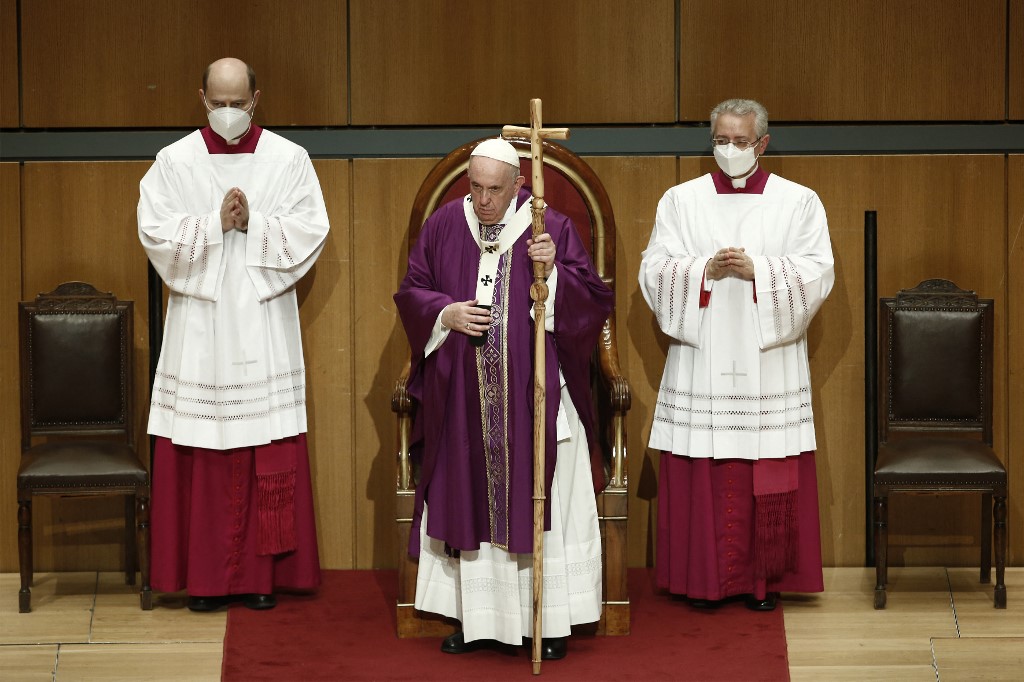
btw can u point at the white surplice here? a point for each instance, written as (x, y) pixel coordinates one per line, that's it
(737, 378)
(231, 372)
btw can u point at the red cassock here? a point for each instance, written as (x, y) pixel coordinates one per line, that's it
(706, 529)
(206, 522)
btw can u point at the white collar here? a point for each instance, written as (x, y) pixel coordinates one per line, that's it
(516, 222)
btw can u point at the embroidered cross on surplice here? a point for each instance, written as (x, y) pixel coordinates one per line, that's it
(734, 374)
(244, 364)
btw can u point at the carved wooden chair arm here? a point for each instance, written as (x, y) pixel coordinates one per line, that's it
(620, 399)
(401, 405)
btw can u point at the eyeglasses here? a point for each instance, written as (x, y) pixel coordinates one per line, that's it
(742, 144)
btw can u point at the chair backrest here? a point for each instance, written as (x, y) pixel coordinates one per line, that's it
(936, 361)
(571, 187)
(76, 349)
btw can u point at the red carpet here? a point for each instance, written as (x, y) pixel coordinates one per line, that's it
(347, 632)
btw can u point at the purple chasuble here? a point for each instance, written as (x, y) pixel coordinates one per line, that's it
(473, 429)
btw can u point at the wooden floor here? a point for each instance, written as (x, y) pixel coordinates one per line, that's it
(939, 624)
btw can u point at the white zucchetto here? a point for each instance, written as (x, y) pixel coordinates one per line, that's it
(499, 149)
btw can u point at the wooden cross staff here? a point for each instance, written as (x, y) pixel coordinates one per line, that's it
(539, 294)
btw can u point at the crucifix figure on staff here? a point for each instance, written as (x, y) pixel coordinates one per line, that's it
(466, 306)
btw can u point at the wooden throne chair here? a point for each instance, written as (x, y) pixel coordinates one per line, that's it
(935, 422)
(572, 188)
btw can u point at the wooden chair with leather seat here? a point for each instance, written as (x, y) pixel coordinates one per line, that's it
(77, 434)
(573, 188)
(935, 422)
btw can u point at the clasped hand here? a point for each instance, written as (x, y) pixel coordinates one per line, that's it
(730, 262)
(234, 211)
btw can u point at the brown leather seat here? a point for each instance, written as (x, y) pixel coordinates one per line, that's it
(76, 393)
(573, 188)
(936, 414)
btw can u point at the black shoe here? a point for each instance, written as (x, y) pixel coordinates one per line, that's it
(259, 602)
(554, 648)
(205, 604)
(551, 648)
(457, 644)
(766, 604)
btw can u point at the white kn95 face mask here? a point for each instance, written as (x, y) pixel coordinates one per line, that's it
(735, 162)
(230, 123)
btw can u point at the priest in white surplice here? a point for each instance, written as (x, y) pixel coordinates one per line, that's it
(231, 217)
(738, 264)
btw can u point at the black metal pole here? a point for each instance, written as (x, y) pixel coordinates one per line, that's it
(156, 334)
(870, 376)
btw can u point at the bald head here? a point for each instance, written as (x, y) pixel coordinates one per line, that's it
(229, 82)
(230, 73)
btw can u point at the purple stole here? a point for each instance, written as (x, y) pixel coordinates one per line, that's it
(492, 378)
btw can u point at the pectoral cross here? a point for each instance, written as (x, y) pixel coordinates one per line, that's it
(244, 363)
(734, 374)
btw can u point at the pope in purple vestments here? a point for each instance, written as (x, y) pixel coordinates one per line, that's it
(442, 269)
(472, 378)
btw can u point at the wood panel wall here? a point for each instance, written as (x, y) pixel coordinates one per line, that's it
(893, 60)
(128, 63)
(78, 223)
(601, 61)
(123, 63)
(1015, 342)
(1015, 75)
(634, 187)
(355, 347)
(9, 64)
(325, 302)
(920, 235)
(384, 191)
(10, 424)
